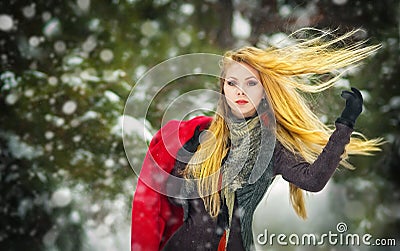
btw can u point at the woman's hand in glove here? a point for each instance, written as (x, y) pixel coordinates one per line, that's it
(354, 103)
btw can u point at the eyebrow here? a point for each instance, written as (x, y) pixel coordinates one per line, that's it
(244, 79)
(251, 77)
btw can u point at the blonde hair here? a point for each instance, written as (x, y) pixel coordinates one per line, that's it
(285, 73)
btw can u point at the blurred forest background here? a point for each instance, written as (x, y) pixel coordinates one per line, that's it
(67, 67)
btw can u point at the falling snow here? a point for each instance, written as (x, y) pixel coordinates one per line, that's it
(50, 237)
(53, 81)
(84, 5)
(77, 138)
(241, 27)
(12, 98)
(339, 2)
(74, 60)
(75, 217)
(49, 135)
(60, 47)
(69, 107)
(52, 28)
(34, 41)
(184, 39)
(61, 197)
(89, 44)
(29, 11)
(109, 163)
(6, 22)
(29, 93)
(106, 55)
(149, 28)
(187, 9)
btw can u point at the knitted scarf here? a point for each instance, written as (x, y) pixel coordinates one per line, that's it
(247, 171)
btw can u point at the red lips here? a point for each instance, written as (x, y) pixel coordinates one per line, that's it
(241, 102)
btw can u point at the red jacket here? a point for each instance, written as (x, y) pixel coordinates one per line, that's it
(154, 218)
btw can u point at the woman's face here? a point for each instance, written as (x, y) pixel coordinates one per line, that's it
(243, 89)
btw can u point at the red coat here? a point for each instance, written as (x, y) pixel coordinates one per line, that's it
(154, 218)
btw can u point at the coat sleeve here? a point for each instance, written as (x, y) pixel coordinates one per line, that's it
(147, 225)
(154, 218)
(313, 176)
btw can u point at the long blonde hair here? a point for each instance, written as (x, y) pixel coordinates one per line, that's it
(285, 73)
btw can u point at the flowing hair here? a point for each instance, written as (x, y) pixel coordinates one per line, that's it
(285, 74)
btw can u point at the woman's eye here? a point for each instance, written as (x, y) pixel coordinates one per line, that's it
(231, 83)
(252, 83)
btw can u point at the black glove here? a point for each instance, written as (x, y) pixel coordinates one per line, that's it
(187, 150)
(354, 103)
(192, 144)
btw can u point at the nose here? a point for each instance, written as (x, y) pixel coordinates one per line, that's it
(239, 91)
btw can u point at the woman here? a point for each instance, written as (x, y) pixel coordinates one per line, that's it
(239, 157)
